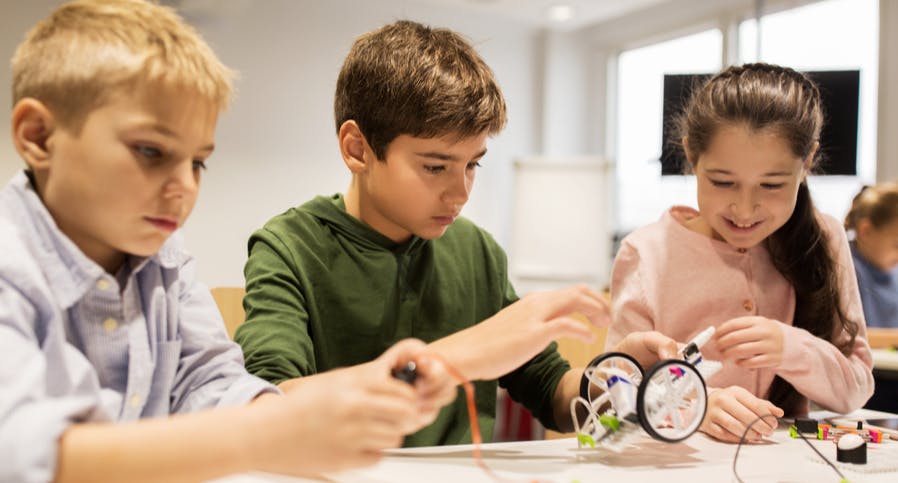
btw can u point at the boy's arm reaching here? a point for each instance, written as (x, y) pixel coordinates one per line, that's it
(328, 422)
(505, 341)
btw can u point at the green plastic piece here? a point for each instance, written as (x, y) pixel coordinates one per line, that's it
(585, 439)
(610, 422)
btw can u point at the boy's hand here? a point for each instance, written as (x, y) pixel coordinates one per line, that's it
(433, 384)
(346, 417)
(647, 347)
(511, 337)
(752, 342)
(731, 410)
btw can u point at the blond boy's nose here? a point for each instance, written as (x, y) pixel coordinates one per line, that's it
(183, 181)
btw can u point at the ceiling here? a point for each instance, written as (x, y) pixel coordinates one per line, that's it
(538, 12)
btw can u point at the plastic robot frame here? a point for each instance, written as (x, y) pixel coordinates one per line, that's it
(668, 402)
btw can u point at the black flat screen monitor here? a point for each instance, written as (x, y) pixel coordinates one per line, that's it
(838, 91)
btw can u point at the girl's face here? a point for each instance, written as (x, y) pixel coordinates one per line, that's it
(878, 245)
(747, 184)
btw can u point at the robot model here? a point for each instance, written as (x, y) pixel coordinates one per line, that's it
(668, 402)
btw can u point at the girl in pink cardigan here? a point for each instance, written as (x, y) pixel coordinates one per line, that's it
(757, 260)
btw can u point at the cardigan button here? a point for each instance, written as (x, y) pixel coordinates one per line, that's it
(748, 305)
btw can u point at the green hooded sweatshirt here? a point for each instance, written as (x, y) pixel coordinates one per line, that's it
(325, 290)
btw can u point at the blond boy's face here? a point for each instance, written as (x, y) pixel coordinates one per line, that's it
(421, 186)
(130, 177)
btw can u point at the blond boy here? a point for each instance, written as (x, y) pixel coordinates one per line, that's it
(101, 318)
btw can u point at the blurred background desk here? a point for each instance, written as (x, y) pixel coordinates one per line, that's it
(698, 459)
(885, 369)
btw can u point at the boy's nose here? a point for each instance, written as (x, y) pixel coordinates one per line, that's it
(184, 180)
(458, 192)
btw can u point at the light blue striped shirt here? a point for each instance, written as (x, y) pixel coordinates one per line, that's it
(76, 347)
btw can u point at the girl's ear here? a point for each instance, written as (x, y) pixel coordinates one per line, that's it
(354, 147)
(32, 126)
(808, 162)
(688, 153)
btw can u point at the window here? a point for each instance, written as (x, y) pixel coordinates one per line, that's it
(828, 35)
(642, 194)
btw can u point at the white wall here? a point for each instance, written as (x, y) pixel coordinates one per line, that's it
(276, 147)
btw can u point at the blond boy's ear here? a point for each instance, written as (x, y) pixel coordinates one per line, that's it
(354, 147)
(32, 124)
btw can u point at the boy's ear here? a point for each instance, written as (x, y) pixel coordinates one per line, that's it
(32, 125)
(354, 147)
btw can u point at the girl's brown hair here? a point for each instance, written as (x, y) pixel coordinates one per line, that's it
(771, 98)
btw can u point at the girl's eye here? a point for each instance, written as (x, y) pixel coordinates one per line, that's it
(434, 169)
(199, 165)
(722, 184)
(772, 186)
(474, 164)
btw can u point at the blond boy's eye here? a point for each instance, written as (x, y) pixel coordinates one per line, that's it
(474, 164)
(434, 169)
(148, 152)
(199, 165)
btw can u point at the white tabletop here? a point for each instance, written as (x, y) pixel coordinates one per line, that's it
(698, 459)
(885, 359)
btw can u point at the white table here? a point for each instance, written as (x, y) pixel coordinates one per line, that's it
(698, 459)
(885, 360)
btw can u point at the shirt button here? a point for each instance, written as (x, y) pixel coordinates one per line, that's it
(110, 324)
(102, 284)
(741, 250)
(135, 401)
(748, 305)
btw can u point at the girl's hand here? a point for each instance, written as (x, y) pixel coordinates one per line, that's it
(751, 342)
(732, 409)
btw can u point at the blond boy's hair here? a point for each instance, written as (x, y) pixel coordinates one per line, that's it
(87, 50)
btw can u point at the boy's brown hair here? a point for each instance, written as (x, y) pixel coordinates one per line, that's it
(88, 50)
(408, 78)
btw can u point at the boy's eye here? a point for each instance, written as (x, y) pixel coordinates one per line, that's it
(434, 169)
(199, 165)
(722, 184)
(473, 164)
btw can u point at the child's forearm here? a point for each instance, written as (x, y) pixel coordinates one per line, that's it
(568, 388)
(190, 447)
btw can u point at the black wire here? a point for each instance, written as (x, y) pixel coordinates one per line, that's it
(759, 418)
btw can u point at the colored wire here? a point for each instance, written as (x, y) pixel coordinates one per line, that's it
(476, 437)
(759, 418)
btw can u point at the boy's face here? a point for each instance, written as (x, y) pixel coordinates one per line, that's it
(421, 186)
(131, 176)
(747, 185)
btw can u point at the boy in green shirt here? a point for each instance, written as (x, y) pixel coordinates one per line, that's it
(337, 280)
